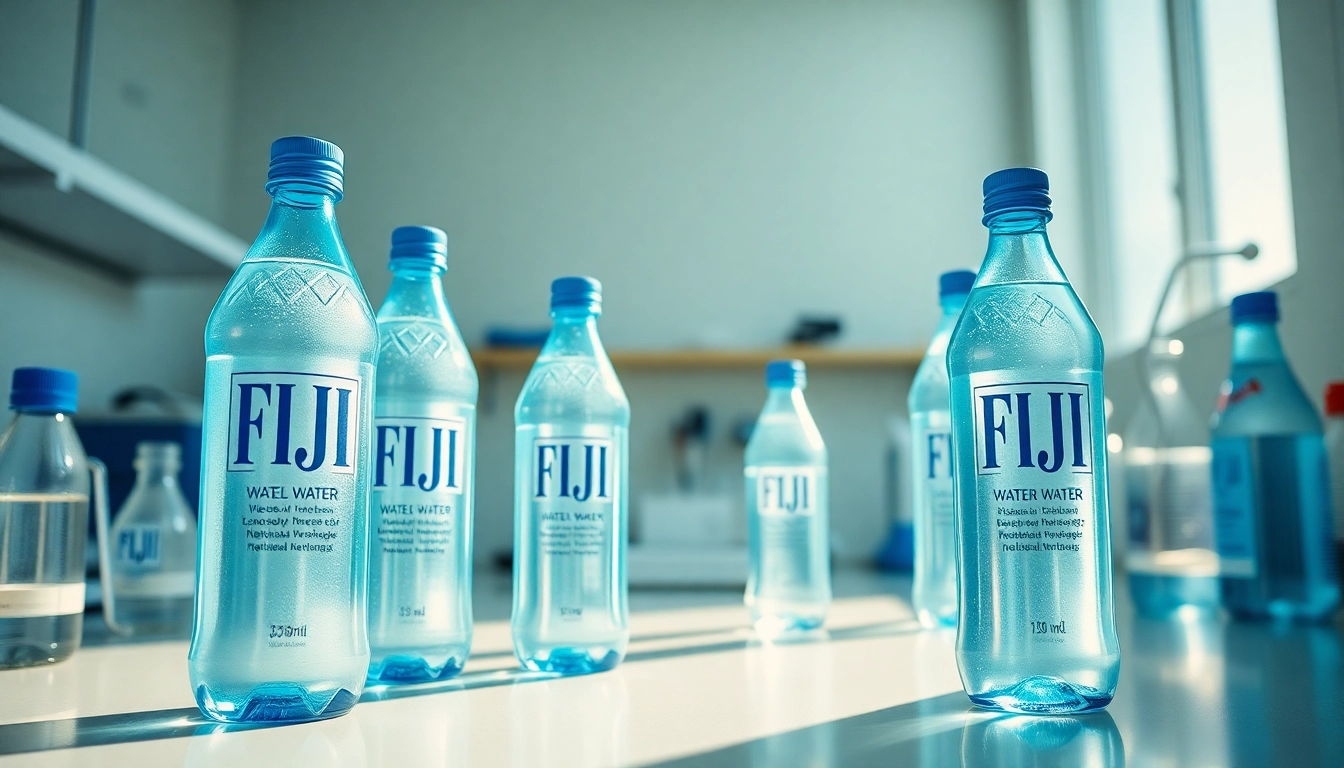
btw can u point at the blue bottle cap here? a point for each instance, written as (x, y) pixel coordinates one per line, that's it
(419, 247)
(576, 292)
(786, 373)
(306, 159)
(44, 390)
(1016, 189)
(1261, 306)
(955, 282)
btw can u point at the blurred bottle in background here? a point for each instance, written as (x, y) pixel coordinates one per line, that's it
(281, 629)
(1171, 558)
(44, 507)
(153, 550)
(935, 589)
(1334, 446)
(788, 526)
(1270, 479)
(423, 461)
(571, 504)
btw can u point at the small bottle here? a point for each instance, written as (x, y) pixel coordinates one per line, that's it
(1171, 558)
(153, 549)
(1334, 446)
(788, 529)
(423, 459)
(1271, 484)
(1036, 631)
(44, 509)
(572, 425)
(935, 590)
(281, 629)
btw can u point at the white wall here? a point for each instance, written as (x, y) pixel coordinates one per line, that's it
(721, 166)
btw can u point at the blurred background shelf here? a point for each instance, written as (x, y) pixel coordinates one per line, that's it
(62, 198)
(671, 359)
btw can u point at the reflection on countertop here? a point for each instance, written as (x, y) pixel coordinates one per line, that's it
(698, 688)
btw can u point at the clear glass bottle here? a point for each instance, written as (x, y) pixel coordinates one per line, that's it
(935, 590)
(423, 461)
(1271, 483)
(788, 528)
(1036, 632)
(572, 425)
(281, 629)
(153, 549)
(44, 508)
(1171, 558)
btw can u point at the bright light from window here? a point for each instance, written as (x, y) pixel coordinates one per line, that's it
(1247, 142)
(1175, 347)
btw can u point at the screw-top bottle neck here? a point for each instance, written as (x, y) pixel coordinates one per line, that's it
(157, 463)
(1256, 341)
(952, 303)
(574, 333)
(1019, 250)
(416, 291)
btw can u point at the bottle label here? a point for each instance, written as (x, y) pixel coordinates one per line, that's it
(932, 452)
(1034, 521)
(24, 601)
(138, 547)
(293, 517)
(421, 470)
(1234, 506)
(786, 491)
(573, 483)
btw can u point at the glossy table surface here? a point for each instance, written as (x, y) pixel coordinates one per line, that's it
(699, 689)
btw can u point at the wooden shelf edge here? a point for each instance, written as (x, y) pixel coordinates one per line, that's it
(672, 359)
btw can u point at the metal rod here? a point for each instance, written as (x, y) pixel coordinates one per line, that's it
(81, 92)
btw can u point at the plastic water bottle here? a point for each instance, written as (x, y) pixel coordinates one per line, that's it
(1171, 558)
(1270, 479)
(153, 550)
(1037, 626)
(788, 529)
(44, 508)
(281, 627)
(571, 508)
(423, 459)
(935, 590)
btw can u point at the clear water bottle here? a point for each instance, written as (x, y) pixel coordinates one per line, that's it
(571, 508)
(44, 508)
(1334, 446)
(1271, 483)
(1171, 558)
(152, 550)
(423, 459)
(281, 626)
(1037, 625)
(935, 591)
(788, 529)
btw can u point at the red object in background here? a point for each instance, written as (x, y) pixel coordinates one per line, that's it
(1334, 398)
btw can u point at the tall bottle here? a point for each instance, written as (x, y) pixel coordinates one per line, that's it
(1037, 627)
(788, 528)
(1270, 479)
(153, 549)
(44, 512)
(935, 590)
(423, 464)
(1171, 559)
(571, 471)
(280, 631)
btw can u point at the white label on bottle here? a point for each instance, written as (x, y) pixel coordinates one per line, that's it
(1234, 506)
(786, 491)
(573, 485)
(22, 601)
